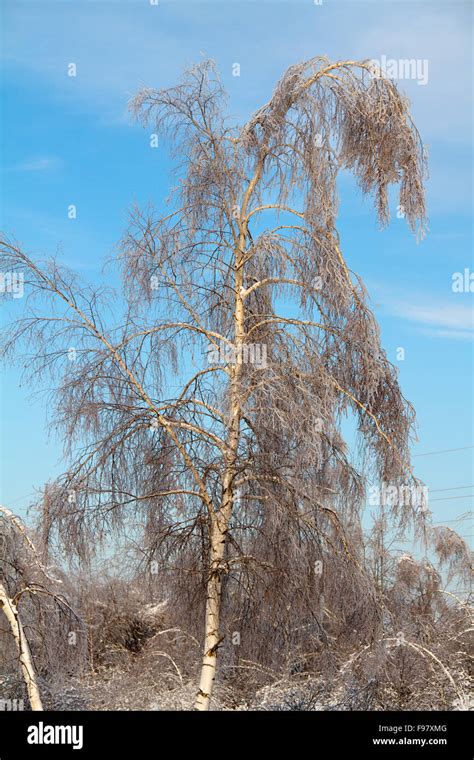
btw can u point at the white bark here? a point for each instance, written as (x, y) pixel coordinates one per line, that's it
(221, 518)
(211, 639)
(24, 655)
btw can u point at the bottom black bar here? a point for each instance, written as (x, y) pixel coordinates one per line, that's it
(132, 734)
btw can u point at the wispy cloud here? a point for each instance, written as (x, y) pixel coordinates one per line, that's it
(443, 315)
(440, 320)
(431, 314)
(41, 164)
(451, 334)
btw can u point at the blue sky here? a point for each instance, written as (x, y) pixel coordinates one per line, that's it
(69, 140)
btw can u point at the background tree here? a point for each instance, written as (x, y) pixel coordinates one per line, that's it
(204, 413)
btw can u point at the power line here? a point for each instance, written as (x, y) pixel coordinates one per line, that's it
(453, 488)
(465, 516)
(450, 498)
(22, 497)
(443, 451)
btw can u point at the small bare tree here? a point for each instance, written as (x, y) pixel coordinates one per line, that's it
(9, 606)
(40, 620)
(210, 399)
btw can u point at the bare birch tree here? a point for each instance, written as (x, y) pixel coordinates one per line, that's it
(210, 400)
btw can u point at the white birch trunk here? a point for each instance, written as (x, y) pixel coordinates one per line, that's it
(221, 519)
(211, 635)
(24, 655)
